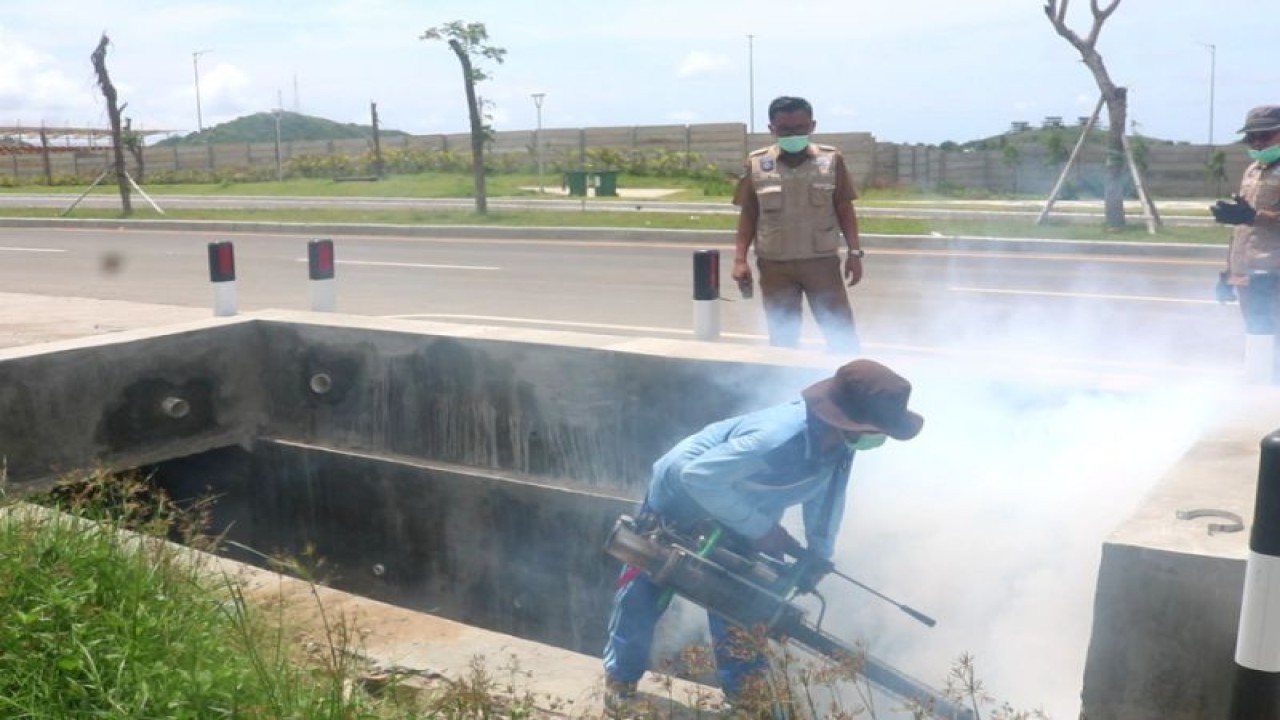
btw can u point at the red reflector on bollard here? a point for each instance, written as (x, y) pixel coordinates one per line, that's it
(222, 262)
(320, 259)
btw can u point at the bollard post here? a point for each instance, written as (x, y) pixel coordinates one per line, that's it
(324, 292)
(706, 294)
(222, 273)
(1260, 328)
(1255, 693)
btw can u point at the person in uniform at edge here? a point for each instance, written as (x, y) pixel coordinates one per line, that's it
(796, 204)
(1253, 260)
(744, 473)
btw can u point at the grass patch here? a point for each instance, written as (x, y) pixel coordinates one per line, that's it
(455, 186)
(425, 185)
(649, 220)
(103, 619)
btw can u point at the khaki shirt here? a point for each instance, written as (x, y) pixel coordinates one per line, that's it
(1254, 247)
(796, 206)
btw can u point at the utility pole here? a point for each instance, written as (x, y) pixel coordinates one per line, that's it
(751, 83)
(195, 68)
(1213, 71)
(537, 137)
(278, 111)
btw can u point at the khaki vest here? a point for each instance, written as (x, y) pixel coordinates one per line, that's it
(1253, 247)
(797, 205)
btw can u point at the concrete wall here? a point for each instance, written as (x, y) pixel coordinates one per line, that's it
(483, 549)
(73, 404)
(587, 416)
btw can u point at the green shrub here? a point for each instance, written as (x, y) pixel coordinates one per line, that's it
(107, 623)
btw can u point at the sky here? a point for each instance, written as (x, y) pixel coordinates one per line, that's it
(912, 71)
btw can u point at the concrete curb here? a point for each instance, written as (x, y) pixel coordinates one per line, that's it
(693, 237)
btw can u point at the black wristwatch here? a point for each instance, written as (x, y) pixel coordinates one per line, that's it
(857, 252)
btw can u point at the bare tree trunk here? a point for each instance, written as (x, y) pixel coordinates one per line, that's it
(1117, 116)
(99, 58)
(477, 128)
(1115, 97)
(44, 152)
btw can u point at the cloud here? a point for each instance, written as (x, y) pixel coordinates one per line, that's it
(700, 63)
(34, 89)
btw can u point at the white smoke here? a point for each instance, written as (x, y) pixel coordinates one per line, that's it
(992, 521)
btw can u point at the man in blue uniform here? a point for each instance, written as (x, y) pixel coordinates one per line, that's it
(744, 473)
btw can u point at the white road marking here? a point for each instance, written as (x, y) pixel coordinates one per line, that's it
(22, 249)
(410, 265)
(726, 245)
(1090, 296)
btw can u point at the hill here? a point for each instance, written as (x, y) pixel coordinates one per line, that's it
(261, 127)
(1045, 136)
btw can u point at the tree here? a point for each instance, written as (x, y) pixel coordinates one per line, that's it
(1115, 97)
(1215, 170)
(99, 58)
(469, 41)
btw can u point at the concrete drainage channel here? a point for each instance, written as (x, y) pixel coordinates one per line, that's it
(506, 555)
(470, 473)
(466, 472)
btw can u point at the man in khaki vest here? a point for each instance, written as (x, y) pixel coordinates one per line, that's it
(796, 201)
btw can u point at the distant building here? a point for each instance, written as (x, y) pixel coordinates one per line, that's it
(1019, 126)
(1051, 121)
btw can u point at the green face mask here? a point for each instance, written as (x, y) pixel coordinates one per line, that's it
(866, 441)
(793, 143)
(1266, 156)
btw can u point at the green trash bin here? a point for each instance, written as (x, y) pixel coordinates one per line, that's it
(607, 183)
(577, 182)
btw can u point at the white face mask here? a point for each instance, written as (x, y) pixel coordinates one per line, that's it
(866, 441)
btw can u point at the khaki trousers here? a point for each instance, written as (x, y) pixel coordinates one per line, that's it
(783, 285)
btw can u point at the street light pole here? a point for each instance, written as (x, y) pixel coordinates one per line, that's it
(751, 83)
(278, 112)
(195, 68)
(1213, 71)
(537, 137)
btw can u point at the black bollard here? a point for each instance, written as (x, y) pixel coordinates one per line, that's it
(706, 294)
(1256, 692)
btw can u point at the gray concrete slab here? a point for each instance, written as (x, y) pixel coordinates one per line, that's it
(30, 319)
(1169, 586)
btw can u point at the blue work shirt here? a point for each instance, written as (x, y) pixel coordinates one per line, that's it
(746, 471)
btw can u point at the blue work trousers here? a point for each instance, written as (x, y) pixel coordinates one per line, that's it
(637, 607)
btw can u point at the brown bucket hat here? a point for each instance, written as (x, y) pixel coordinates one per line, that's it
(1264, 118)
(865, 396)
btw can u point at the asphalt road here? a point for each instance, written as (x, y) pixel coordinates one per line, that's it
(1181, 212)
(1125, 313)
